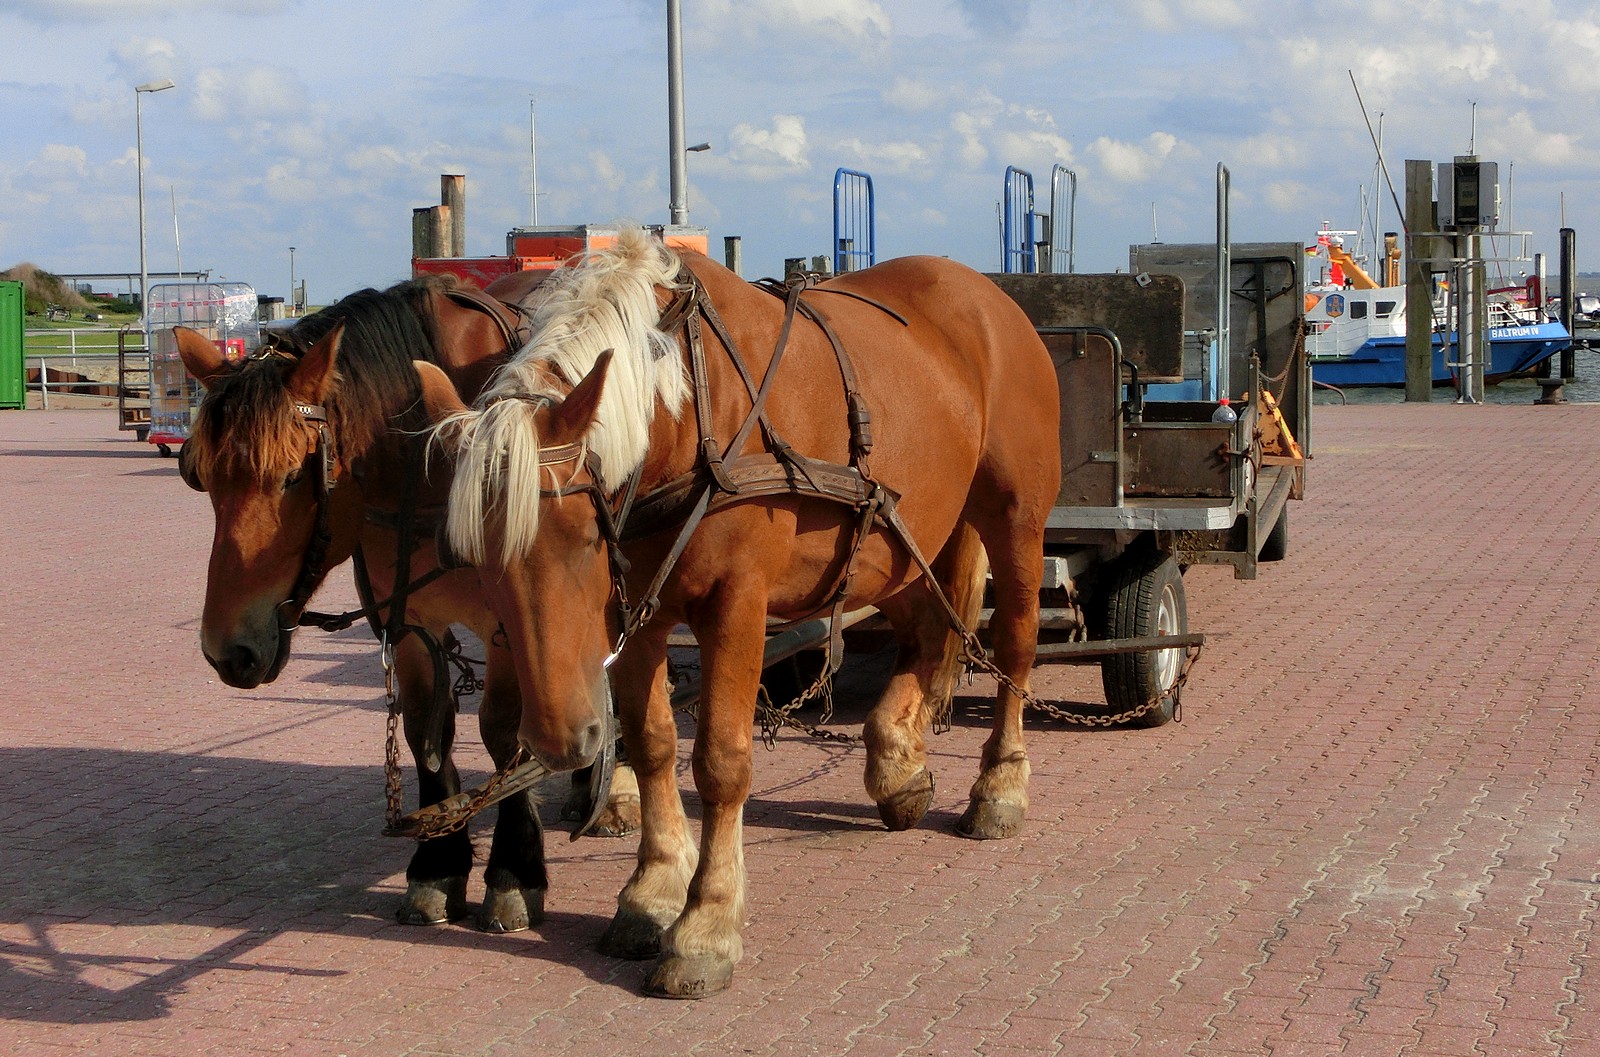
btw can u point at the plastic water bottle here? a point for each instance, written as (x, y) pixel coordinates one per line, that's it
(1224, 413)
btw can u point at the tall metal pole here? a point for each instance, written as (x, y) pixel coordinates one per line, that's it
(138, 161)
(292, 299)
(680, 167)
(533, 156)
(177, 242)
(1224, 283)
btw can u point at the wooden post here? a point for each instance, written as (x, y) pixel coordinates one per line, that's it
(453, 196)
(733, 253)
(423, 224)
(1419, 280)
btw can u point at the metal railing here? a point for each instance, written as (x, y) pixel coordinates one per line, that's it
(80, 351)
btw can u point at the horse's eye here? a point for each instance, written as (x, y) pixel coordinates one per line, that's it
(293, 478)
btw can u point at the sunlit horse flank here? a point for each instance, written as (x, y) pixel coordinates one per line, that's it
(963, 402)
(251, 450)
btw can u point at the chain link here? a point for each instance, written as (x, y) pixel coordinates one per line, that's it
(976, 657)
(393, 808)
(452, 819)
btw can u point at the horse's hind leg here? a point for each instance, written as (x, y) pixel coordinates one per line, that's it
(897, 778)
(515, 880)
(1013, 534)
(436, 878)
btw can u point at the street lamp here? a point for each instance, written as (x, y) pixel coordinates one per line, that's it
(138, 133)
(684, 191)
(291, 281)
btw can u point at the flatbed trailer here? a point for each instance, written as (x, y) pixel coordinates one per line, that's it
(1151, 485)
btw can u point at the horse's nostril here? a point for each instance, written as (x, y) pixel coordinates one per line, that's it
(239, 659)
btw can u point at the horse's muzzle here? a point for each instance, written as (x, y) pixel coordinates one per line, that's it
(245, 665)
(576, 751)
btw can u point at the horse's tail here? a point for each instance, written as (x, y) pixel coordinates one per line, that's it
(496, 472)
(962, 570)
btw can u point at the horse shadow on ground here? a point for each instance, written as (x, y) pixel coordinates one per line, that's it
(121, 868)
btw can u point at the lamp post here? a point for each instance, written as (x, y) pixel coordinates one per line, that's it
(291, 281)
(683, 192)
(138, 156)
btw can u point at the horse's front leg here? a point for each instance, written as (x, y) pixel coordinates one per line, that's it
(515, 879)
(654, 896)
(436, 878)
(701, 949)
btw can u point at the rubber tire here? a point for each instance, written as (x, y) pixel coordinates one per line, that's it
(1143, 597)
(1276, 548)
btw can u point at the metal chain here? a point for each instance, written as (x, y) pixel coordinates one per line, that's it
(393, 808)
(455, 818)
(774, 717)
(976, 657)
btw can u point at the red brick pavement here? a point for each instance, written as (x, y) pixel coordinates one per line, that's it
(1368, 836)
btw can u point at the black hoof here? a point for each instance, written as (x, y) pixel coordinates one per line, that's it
(510, 909)
(433, 902)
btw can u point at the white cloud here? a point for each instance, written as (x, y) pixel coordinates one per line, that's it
(58, 161)
(1133, 162)
(914, 95)
(73, 10)
(896, 157)
(765, 153)
(239, 95)
(1170, 15)
(842, 21)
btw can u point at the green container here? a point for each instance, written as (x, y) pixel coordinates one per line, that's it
(11, 301)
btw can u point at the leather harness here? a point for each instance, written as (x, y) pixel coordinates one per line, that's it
(723, 475)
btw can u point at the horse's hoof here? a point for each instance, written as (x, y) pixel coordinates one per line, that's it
(990, 820)
(510, 909)
(694, 977)
(909, 803)
(576, 807)
(632, 936)
(620, 818)
(433, 902)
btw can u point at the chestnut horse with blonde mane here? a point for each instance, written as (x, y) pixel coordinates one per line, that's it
(279, 478)
(756, 457)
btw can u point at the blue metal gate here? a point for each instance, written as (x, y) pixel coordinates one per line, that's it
(1017, 223)
(854, 226)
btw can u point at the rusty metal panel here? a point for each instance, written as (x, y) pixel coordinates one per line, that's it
(1147, 317)
(1173, 460)
(1091, 426)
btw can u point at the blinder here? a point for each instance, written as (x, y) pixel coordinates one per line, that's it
(187, 471)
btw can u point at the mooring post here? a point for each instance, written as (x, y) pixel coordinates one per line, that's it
(1551, 389)
(1419, 275)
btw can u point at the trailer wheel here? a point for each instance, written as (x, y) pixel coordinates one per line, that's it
(1144, 597)
(1276, 548)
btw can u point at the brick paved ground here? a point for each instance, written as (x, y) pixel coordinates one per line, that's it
(1370, 835)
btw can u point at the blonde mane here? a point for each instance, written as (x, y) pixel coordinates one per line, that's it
(606, 301)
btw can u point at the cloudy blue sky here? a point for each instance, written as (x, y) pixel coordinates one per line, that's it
(321, 125)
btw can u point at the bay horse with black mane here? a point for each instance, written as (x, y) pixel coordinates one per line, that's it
(311, 453)
(754, 456)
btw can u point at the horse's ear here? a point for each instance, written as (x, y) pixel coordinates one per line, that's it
(439, 394)
(578, 411)
(312, 377)
(201, 357)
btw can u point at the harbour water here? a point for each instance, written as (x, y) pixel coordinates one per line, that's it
(1585, 389)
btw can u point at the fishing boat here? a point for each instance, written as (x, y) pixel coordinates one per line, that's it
(1356, 325)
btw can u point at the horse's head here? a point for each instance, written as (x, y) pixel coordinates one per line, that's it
(550, 593)
(263, 451)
